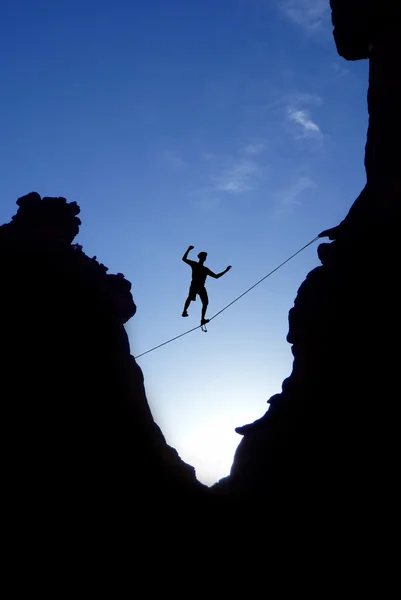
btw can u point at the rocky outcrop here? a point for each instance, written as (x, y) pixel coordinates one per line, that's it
(79, 436)
(359, 23)
(327, 448)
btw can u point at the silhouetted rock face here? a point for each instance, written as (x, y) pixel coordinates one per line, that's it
(78, 429)
(358, 23)
(330, 435)
(329, 444)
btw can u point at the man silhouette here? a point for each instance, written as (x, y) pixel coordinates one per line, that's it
(197, 287)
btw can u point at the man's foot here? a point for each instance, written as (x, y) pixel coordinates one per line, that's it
(185, 314)
(204, 321)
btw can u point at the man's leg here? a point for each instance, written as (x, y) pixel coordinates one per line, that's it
(186, 306)
(205, 301)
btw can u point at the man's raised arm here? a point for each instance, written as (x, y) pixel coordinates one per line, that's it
(185, 257)
(218, 275)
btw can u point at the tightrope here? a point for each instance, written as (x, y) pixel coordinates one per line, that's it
(233, 302)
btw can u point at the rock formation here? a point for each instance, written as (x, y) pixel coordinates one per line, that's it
(327, 448)
(79, 436)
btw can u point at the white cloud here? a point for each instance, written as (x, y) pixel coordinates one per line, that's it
(295, 111)
(304, 98)
(238, 177)
(238, 173)
(308, 14)
(287, 199)
(290, 196)
(305, 127)
(229, 175)
(298, 115)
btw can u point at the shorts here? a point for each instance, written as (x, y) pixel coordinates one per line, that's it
(195, 290)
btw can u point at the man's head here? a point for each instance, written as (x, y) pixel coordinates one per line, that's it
(202, 256)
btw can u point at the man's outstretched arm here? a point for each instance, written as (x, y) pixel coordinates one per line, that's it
(217, 275)
(185, 257)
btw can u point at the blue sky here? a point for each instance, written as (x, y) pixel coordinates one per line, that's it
(231, 125)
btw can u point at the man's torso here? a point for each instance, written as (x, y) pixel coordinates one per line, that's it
(199, 274)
